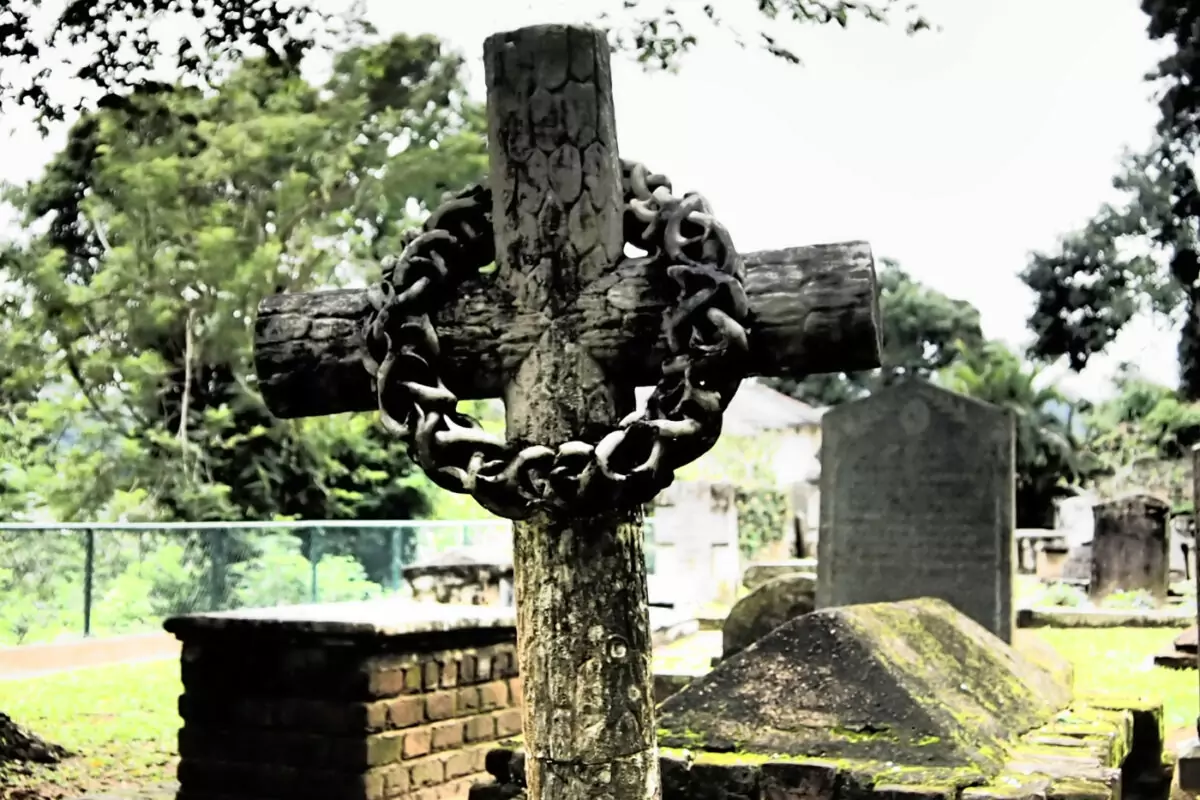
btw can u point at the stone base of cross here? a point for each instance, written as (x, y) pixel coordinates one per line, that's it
(563, 330)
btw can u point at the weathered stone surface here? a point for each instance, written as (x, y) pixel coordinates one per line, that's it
(913, 682)
(1088, 751)
(1130, 547)
(459, 576)
(766, 608)
(760, 572)
(918, 500)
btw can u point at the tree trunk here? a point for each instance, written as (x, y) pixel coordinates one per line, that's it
(583, 631)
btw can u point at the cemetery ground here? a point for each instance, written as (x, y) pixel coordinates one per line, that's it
(121, 721)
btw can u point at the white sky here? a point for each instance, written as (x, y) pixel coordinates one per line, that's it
(955, 152)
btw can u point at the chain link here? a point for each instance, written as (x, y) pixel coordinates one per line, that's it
(706, 338)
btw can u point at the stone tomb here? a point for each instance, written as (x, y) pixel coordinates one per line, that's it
(908, 700)
(918, 500)
(1130, 548)
(461, 577)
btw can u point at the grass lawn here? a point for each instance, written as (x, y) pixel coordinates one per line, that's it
(122, 721)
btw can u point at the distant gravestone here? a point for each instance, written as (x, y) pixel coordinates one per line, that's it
(1130, 547)
(766, 608)
(760, 572)
(918, 500)
(1078, 565)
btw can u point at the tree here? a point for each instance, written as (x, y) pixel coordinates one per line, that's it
(1138, 255)
(922, 331)
(1142, 254)
(166, 220)
(1050, 462)
(126, 45)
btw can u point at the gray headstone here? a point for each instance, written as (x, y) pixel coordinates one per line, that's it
(1130, 548)
(918, 500)
(760, 572)
(766, 608)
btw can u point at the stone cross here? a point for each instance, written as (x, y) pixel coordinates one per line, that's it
(563, 331)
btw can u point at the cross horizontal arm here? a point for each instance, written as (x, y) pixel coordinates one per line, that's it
(813, 310)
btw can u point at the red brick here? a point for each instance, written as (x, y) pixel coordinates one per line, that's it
(385, 748)
(467, 700)
(404, 712)
(483, 667)
(418, 742)
(481, 728)
(458, 790)
(395, 781)
(448, 735)
(493, 695)
(508, 723)
(439, 706)
(432, 673)
(413, 678)
(459, 764)
(386, 682)
(428, 772)
(467, 668)
(449, 667)
(478, 757)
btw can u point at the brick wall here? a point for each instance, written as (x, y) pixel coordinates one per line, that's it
(280, 709)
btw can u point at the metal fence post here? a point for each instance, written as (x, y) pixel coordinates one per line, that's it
(89, 573)
(216, 577)
(394, 559)
(314, 559)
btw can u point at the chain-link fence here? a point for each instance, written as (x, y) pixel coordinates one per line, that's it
(66, 580)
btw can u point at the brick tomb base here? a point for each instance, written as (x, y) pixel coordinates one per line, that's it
(349, 701)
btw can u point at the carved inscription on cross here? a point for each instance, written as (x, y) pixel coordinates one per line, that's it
(563, 330)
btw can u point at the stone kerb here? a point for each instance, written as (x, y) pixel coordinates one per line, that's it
(348, 701)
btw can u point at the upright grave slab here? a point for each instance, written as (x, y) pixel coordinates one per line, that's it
(564, 329)
(1131, 548)
(918, 500)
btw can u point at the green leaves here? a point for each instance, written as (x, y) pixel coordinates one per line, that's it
(159, 228)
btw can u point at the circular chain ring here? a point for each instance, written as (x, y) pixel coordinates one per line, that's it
(706, 338)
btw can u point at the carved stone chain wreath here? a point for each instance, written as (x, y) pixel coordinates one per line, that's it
(705, 332)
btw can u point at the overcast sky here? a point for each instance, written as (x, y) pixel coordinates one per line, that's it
(955, 152)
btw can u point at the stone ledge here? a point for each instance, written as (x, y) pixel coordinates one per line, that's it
(368, 618)
(1053, 617)
(1078, 755)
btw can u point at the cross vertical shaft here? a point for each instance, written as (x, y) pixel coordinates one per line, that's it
(583, 629)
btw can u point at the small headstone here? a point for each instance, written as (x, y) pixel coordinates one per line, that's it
(1130, 548)
(766, 608)
(760, 572)
(917, 500)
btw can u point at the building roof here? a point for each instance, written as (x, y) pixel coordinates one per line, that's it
(757, 408)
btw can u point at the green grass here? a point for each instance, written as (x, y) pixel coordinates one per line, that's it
(122, 721)
(1118, 661)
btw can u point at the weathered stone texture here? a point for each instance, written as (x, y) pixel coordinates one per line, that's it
(918, 500)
